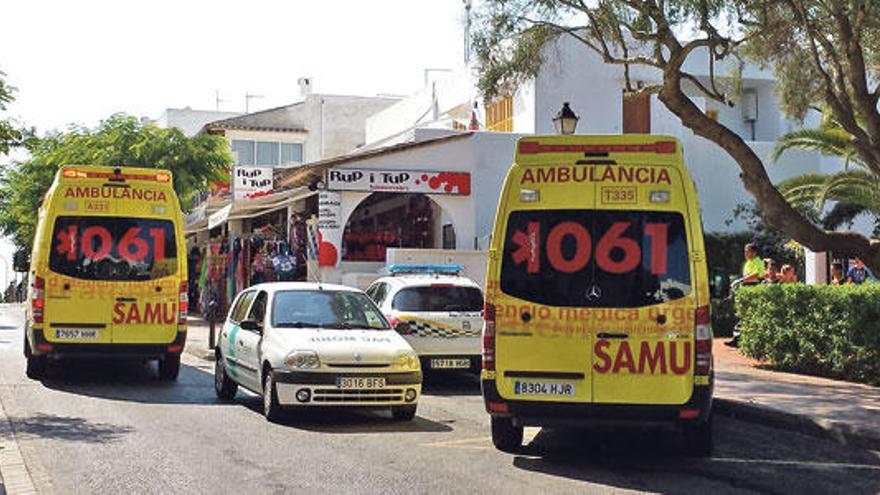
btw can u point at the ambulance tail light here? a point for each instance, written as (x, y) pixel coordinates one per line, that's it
(38, 299)
(489, 337)
(183, 304)
(703, 341)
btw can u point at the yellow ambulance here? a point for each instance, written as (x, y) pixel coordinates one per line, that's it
(108, 269)
(597, 295)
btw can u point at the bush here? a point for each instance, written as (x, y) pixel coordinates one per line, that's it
(831, 331)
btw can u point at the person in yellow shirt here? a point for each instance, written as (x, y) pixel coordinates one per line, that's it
(752, 273)
(753, 269)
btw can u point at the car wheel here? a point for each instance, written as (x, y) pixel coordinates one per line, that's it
(224, 386)
(404, 413)
(169, 367)
(506, 436)
(698, 438)
(271, 407)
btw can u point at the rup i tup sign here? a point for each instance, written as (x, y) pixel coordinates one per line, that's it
(251, 182)
(402, 181)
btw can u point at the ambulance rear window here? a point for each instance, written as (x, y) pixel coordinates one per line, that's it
(596, 258)
(113, 248)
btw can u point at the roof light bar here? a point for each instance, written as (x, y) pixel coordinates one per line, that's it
(535, 147)
(449, 269)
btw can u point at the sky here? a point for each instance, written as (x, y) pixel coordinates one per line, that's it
(77, 62)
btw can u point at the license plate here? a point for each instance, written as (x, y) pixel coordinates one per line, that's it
(446, 364)
(562, 389)
(350, 382)
(76, 333)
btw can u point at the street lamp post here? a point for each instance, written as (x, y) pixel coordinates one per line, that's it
(565, 121)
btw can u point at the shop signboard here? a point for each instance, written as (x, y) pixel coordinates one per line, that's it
(330, 228)
(251, 182)
(401, 181)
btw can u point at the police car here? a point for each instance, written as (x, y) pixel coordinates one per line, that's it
(306, 344)
(437, 310)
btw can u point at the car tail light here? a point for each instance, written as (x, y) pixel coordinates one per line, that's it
(703, 341)
(183, 304)
(38, 299)
(489, 337)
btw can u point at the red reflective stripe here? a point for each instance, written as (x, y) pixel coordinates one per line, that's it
(174, 349)
(498, 407)
(44, 347)
(534, 147)
(688, 413)
(703, 317)
(442, 285)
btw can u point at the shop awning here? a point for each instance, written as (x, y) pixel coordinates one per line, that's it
(253, 207)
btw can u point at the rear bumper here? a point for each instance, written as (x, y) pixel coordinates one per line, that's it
(321, 389)
(541, 413)
(58, 350)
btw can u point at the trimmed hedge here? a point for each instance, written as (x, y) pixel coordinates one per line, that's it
(831, 331)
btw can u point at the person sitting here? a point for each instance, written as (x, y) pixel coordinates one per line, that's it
(771, 274)
(858, 273)
(787, 275)
(837, 274)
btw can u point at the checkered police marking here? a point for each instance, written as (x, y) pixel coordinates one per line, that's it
(424, 328)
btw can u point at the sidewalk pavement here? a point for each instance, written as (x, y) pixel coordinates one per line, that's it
(848, 413)
(843, 411)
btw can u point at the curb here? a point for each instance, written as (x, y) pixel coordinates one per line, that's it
(15, 478)
(841, 433)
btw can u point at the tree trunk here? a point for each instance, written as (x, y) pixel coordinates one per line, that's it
(776, 210)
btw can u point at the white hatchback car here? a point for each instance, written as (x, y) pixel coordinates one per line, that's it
(438, 311)
(307, 344)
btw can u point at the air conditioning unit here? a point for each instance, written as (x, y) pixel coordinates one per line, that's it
(749, 105)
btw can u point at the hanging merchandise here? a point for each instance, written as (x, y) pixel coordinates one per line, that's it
(285, 264)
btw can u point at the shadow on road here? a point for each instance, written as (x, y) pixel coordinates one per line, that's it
(130, 380)
(447, 383)
(69, 428)
(747, 457)
(345, 421)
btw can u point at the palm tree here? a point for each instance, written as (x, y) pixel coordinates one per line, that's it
(854, 190)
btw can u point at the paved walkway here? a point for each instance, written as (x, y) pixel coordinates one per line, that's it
(846, 412)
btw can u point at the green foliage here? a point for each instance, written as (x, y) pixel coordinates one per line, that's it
(10, 133)
(121, 140)
(829, 331)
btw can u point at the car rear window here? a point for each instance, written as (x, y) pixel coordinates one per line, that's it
(113, 248)
(438, 298)
(596, 258)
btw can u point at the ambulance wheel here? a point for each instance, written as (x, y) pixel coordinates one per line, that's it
(506, 436)
(36, 366)
(271, 407)
(223, 385)
(404, 413)
(698, 439)
(169, 367)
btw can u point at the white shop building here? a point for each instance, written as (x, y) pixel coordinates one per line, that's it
(437, 194)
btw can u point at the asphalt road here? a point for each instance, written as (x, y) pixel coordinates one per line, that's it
(112, 427)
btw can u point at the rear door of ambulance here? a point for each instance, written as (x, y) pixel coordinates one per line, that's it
(586, 271)
(543, 346)
(148, 230)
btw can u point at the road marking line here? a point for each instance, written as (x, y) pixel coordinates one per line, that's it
(461, 443)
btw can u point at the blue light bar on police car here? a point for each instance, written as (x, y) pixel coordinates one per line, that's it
(396, 269)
